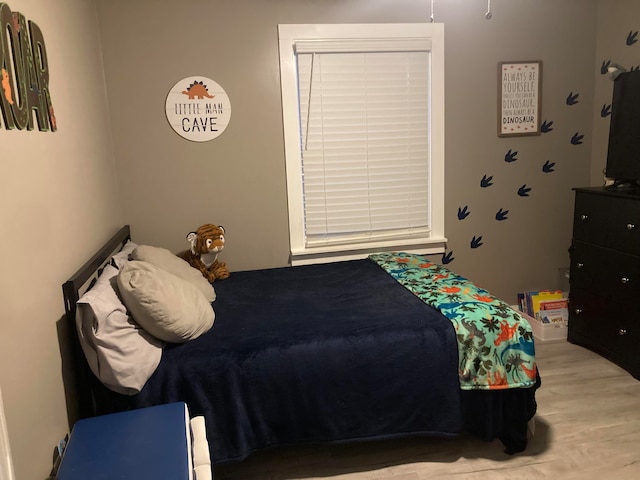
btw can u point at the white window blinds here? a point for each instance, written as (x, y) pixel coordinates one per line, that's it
(364, 121)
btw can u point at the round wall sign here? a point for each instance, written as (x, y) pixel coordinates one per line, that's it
(198, 109)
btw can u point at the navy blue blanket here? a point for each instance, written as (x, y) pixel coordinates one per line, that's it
(326, 353)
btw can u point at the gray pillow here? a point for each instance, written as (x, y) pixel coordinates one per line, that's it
(167, 261)
(122, 257)
(120, 353)
(166, 306)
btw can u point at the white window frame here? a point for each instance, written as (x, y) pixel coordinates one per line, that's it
(434, 241)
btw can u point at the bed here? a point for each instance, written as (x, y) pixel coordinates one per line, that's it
(339, 352)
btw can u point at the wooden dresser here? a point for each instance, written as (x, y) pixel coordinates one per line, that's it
(604, 310)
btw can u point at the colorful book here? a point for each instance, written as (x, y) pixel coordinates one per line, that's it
(521, 305)
(555, 311)
(541, 296)
(563, 303)
(560, 316)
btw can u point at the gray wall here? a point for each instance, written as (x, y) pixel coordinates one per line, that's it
(59, 204)
(60, 198)
(171, 186)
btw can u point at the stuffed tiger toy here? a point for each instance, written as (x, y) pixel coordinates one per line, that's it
(206, 242)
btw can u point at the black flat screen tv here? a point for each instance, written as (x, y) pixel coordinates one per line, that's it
(623, 156)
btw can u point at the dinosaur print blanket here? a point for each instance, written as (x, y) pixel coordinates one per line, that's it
(495, 344)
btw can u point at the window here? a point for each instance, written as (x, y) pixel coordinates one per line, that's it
(363, 113)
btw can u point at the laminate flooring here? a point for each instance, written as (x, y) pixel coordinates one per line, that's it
(587, 427)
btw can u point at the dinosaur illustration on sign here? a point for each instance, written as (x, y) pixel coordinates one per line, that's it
(197, 90)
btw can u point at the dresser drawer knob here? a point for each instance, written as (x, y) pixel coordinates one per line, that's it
(630, 226)
(580, 265)
(625, 280)
(584, 217)
(578, 311)
(622, 331)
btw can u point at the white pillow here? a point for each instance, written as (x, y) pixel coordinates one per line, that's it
(167, 261)
(122, 257)
(120, 353)
(166, 306)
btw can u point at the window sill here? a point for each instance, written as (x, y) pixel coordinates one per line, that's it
(338, 253)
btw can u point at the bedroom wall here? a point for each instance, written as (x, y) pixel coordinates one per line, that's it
(170, 186)
(59, 202)
(60, 197)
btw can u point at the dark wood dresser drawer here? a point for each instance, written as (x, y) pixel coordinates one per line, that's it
(625, 348)
(612, 329)
(604, 219)
(605, 271)
(604, 295)
(589, 320)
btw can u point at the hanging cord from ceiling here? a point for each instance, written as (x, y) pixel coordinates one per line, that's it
(487, 15)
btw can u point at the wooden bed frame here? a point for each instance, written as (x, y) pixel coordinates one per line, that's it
(88, 387)
(93, 398)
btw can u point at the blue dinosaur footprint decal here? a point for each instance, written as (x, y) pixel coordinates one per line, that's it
(486, 181)
(546, 126)
(510, 156)
(577, 139)
(447, 258)
(632, 38)
(604, 68)
(605, 111)
(548, 166)
(572, 99)
(502, 215)
(523, 191)
(463, 212)
(476, 242)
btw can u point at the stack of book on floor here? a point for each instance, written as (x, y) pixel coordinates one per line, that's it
(547, 312)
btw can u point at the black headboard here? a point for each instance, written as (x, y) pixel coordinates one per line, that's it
(88, 386)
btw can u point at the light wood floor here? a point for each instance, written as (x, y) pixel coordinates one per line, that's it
(587, 427)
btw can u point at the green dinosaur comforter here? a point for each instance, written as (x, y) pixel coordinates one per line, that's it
(495, 343)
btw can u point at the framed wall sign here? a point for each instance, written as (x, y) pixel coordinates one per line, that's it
(519, 98)
(198, 109)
